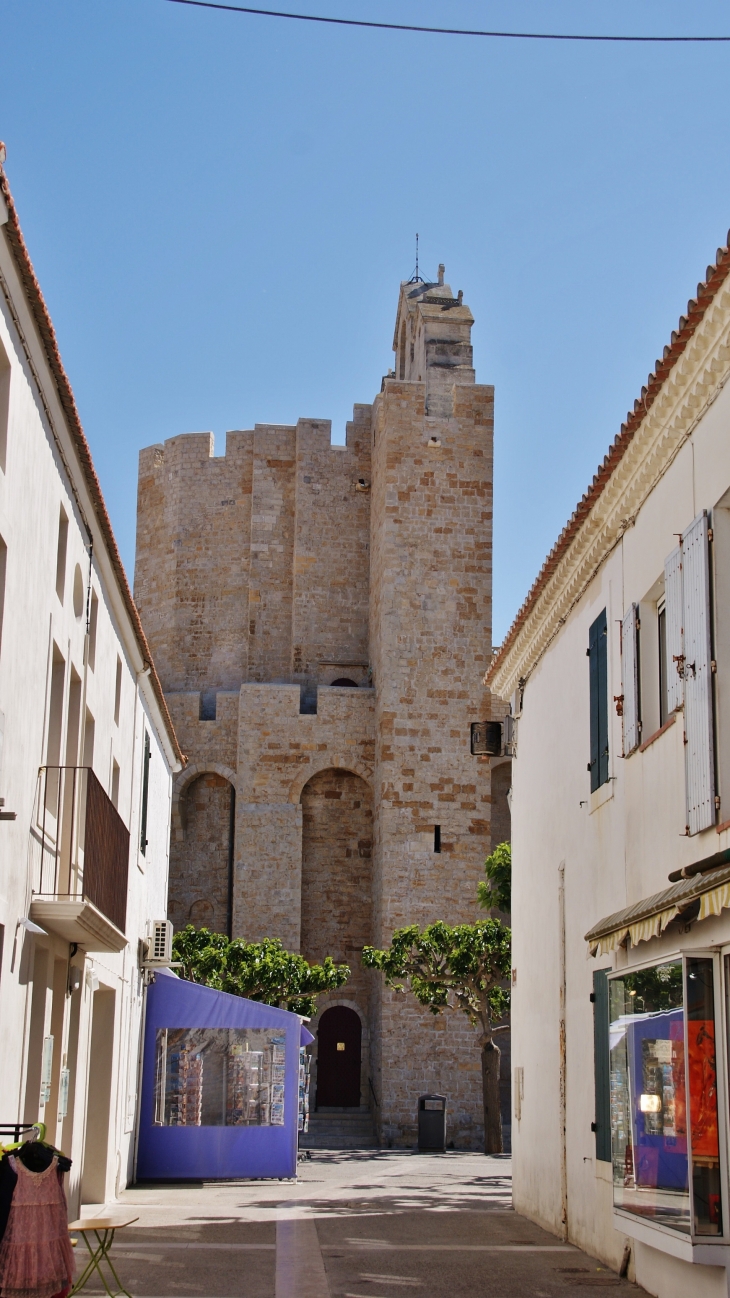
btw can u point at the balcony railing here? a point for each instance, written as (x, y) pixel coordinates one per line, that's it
(81, 844)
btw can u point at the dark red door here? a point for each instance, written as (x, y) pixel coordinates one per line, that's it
(338, 1059)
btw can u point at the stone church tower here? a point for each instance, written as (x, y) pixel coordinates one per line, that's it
(320, 618)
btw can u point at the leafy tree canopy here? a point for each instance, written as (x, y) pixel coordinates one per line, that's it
(467, 963)
(497, 890)
(261, 971)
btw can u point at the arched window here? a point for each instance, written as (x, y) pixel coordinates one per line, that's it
(344, 682)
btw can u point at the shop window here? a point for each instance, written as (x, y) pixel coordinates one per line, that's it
(663, 1096)
(598, 676)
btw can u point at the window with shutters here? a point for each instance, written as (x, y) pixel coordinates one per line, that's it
(673, 633)
(630, 696)
(598, 678)
(661, 626)
(697, 676)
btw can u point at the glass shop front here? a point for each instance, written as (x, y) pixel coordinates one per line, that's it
(667, 1145)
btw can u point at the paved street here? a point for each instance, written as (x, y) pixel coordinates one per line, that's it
(374, 1224)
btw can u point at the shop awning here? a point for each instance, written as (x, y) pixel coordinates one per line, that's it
(648, 918)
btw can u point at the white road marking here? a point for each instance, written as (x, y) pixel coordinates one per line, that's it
(300, 1270)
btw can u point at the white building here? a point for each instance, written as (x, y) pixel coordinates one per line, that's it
(618, 670)
(86, 763)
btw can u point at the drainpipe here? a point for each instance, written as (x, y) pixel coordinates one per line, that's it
(563, 1060)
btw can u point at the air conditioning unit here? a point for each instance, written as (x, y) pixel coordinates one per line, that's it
(159, 950)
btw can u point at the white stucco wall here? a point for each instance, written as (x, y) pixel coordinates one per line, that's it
(616, 846)
(34, 485)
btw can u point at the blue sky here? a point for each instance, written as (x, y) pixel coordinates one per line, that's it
(220, 209)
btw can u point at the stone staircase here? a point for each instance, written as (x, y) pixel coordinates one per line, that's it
(339, 1129)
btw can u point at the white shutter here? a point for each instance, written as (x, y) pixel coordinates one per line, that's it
(630, 679)
(674, 623)
(699, 743)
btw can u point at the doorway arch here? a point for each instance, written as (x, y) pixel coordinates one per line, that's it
(339, 1051)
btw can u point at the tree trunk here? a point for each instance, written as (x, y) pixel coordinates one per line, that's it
(491, 1055)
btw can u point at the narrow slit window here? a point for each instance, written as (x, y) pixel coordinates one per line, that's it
(117, 692)
(143, 841)
(61, 554)
(3, 567)
(437, 838)
(4, 405)
(115, 784)
(93, 620)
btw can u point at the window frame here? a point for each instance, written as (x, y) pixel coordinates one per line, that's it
(597, 653)
(721, 994)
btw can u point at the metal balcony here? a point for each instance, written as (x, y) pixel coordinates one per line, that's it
(81, 860)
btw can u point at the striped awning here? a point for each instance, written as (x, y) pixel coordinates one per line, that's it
(648, 918)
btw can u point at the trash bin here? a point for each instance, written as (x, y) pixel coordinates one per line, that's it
(432, 1122)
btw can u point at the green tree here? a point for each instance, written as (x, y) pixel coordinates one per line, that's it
(261, 971)
(465, 967)
(497, 890)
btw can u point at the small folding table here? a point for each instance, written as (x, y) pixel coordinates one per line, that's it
(103, 1228)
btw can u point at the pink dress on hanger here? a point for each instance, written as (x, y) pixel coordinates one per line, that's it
(36, 1258)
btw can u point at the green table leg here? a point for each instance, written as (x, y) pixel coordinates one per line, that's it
(98, 1255)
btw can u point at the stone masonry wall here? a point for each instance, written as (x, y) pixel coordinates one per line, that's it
(280, 749)
(199, 867)
(192, 559)
(332, 559)
(266, 574)
(430, 633)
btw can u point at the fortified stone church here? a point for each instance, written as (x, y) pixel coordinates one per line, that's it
(320, 618)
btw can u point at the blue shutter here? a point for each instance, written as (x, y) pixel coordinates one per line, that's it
(601, 1062)
(598, 683)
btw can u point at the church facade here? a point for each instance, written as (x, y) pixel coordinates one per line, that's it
(320, 617)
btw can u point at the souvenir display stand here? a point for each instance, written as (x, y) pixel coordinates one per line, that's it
(220, 1085)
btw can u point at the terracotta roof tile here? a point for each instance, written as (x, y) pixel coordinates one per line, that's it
(696, 308)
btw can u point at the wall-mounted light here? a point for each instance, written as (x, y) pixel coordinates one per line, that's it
(434, 441)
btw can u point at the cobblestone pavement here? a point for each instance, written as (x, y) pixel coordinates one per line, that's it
(375, 1224)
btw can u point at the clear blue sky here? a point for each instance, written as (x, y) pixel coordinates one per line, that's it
(220, 209)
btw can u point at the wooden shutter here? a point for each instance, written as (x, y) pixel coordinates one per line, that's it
(674, 625)
(630, 679)
(601, 1065)
(698, 728)
(598, 677)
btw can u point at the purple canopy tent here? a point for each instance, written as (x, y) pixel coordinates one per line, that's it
(219, 1085)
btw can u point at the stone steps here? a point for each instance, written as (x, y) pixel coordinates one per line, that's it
(339, 1129)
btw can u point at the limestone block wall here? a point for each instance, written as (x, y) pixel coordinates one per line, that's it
(272, 554)
(191, 569)
(199, 871)
(280, 749)
(337, 902)
(332, 545)
(430, 635)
